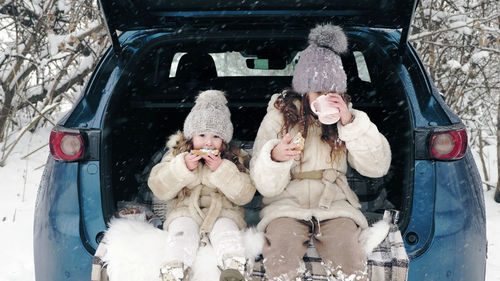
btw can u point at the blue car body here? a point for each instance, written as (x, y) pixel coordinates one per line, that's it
(443, 229)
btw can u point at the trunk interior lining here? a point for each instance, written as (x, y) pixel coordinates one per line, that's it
(144, 114)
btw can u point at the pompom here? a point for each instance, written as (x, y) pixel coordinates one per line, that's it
(329, 36)
(211, 97)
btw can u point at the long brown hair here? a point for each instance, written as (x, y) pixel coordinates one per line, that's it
(296, 111)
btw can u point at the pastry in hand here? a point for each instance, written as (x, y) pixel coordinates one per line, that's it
(300, 140)
(205, 151)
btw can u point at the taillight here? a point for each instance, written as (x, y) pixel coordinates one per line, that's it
(66, 146)
(448, 145)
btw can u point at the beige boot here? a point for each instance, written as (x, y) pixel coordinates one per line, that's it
(234, 269)
(173, 271)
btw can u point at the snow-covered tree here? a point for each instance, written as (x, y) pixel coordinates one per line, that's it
(47, 50)
(458, 42)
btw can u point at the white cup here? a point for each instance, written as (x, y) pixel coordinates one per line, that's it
(325, 112)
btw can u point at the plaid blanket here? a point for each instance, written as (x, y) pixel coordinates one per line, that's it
(387, 262)
(99, 270)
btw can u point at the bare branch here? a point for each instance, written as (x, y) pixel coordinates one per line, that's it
(451, 45)
(28, 45)
(26, 129)
(467, 24)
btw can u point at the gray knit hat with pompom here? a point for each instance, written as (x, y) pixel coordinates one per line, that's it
(209, 114)
(319, 67)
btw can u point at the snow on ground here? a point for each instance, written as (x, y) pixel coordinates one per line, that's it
(493, 234)
(19, 181)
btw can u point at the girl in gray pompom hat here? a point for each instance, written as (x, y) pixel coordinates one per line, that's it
(303, 182)
(205, 181)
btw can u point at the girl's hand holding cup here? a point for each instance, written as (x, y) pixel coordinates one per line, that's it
(336, 100)
(331, 108)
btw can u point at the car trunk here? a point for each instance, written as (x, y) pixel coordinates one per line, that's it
(247, 15)
(147, 106)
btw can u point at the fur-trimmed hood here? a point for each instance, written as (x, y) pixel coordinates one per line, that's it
(175, 140)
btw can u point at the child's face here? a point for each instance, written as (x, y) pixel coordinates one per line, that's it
(207, 140)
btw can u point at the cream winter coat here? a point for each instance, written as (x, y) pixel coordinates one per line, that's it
(200, 194)
(367, 151)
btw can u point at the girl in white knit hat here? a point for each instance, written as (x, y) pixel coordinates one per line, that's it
(205, 182)
(304, 185)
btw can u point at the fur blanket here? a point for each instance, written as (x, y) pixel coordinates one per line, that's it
(132, 250)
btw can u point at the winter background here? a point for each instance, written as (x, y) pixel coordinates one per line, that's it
(48, 48)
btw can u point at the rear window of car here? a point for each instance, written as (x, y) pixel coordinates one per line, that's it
(361, 66)
(234, 64)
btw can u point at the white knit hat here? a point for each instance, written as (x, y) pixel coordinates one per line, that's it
(209, 114)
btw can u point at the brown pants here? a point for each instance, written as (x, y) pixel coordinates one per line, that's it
(336, 241)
